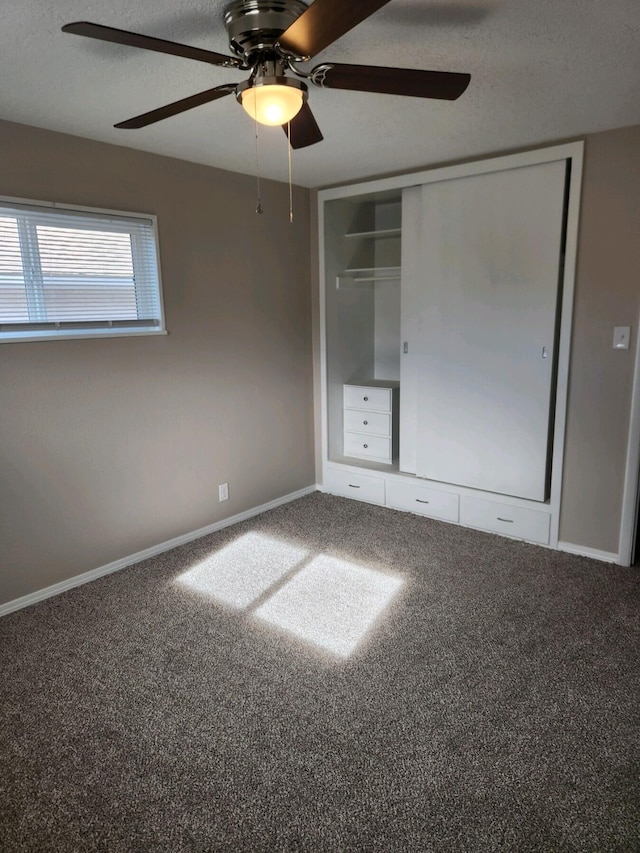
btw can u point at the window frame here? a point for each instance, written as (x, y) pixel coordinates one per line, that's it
(89, 330)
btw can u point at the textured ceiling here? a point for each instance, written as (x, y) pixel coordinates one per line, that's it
(540, 71)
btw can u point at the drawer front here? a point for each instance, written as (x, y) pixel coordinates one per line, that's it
(367, 446)
(362, 397)
(423, 500)
(367, 422)
(359, 486)
(514, 521)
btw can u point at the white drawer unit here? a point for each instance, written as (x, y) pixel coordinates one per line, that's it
(423, 500)
(350, 485)
(518, 522)
(368, 397)
(370, 421)
(367, 446)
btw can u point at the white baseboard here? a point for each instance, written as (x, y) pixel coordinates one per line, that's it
(583, 551)
(93, 574)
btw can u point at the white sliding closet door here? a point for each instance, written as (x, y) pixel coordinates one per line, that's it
(490, 260)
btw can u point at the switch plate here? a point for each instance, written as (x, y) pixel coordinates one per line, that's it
(621, 337)
(223, 492)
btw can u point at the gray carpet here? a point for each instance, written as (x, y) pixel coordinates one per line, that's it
(493, 703)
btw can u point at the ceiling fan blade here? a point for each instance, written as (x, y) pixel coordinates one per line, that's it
(97, 31)
(177, 107)
(324, 22)
(304, 128)
(445, 85)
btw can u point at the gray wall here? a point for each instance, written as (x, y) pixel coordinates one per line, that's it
(607, 295)
(109, 446)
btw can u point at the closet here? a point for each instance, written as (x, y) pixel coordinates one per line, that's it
(448, 295)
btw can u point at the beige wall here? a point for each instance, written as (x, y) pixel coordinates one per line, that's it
(109, 446)
(607, 295)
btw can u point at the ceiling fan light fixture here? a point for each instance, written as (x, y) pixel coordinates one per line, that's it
(273, 101)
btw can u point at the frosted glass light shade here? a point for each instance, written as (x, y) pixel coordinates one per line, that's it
(272, 103)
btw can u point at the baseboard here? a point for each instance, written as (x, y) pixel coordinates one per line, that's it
(594, 553)
(93, 574)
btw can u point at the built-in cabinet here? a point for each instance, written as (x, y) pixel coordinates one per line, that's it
(446, 301)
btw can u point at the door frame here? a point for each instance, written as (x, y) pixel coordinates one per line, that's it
(631, 491)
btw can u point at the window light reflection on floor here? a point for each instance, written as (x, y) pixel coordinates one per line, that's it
(243, 570)
(331, 603)
(322, 600)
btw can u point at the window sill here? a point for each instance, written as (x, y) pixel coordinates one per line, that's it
(68, 335)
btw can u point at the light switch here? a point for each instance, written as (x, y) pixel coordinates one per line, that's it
(621, 336)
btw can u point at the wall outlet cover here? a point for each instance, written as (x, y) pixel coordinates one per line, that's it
(621, 337)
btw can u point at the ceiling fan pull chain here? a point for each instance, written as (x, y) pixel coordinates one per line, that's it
(290, 187)
(259, 205)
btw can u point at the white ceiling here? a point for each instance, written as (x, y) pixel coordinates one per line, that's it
(541, 70)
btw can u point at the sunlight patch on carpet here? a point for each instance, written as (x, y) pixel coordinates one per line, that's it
(242, 571)
(331, 603)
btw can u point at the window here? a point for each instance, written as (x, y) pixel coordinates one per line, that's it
(69, 272)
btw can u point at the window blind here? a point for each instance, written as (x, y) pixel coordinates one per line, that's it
(67, 270)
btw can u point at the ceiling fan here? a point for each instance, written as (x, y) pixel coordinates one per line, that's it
(272, 37)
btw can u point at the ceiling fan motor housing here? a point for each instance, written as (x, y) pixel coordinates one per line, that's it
(254, 26)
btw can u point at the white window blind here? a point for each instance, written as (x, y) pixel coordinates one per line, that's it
(68, 272)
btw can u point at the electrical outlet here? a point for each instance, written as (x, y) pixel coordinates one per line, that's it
(223, 492)
(621, 336)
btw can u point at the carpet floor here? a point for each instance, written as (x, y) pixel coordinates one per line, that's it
(328, 676)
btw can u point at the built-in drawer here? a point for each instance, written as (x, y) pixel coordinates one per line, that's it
(360, 486)
(422, 499)
(364, 397)
(520, 522)
(367, 446)
(368, 422)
